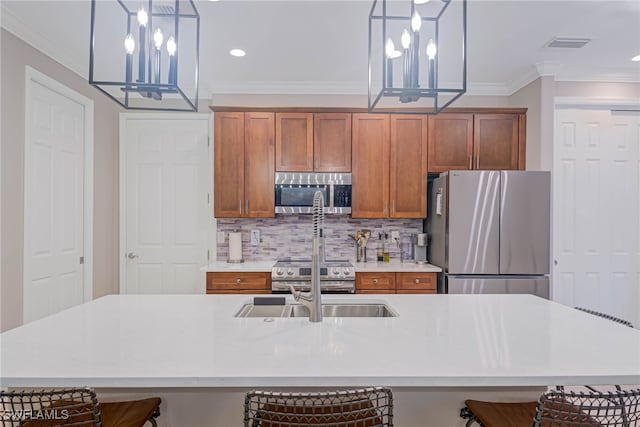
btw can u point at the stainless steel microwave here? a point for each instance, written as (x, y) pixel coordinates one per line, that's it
(295, 190)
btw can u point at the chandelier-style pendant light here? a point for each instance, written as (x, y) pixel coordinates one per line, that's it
(144, 53)
(430, 70)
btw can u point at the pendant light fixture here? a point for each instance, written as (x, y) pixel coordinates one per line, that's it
(432, 71)
(144, 54)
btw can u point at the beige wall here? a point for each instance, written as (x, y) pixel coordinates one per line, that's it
(347, 101)
(605, 90)
(529, 97)
(15, 56)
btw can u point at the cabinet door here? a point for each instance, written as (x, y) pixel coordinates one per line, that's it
(408, 166)
(259, 159)
(332, 142)
(450, 142)
(228, 147)
(370, 166)
(495, 141)
(294, 142)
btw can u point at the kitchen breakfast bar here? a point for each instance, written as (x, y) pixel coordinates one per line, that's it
(439, 350)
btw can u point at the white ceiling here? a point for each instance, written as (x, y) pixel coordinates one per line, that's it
(321, 46)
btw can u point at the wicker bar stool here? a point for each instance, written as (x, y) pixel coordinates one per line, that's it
(73, 407)
(369, 407)
(559, 408)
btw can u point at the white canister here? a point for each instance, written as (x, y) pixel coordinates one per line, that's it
(235, 247)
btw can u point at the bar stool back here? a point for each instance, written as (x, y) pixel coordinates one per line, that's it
(369, 407)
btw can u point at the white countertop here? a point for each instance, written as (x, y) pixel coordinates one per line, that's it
(247, 266)
(265, 266)
(395, 266)
(437, 340)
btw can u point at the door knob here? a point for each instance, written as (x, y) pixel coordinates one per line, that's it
(132, 255)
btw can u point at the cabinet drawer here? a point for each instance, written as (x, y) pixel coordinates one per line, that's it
(417, 291)
(375, 281)
(375, 291)
(409, 281)
(240, 281)
(238, 291)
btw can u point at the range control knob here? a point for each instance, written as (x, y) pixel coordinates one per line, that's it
(279, 271)
(335, 271)
(347, 271)
(290, 271)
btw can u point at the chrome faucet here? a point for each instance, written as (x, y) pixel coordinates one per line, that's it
(313, 300)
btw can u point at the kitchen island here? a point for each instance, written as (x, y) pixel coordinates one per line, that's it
(188, 344)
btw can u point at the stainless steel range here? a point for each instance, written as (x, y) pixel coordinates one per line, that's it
(336, 276)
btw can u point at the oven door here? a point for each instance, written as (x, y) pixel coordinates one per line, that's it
(326, 286)
(297, 198)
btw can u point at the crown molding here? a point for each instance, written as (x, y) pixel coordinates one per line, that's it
(10, 22)
(588, 77)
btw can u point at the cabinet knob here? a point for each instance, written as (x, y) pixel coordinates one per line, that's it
(417, 280)
(375, 281)
(238, 281)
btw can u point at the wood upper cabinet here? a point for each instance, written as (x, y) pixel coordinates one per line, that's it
(229, 164)
(244, 156)
(495, 141)
(450, 142)
(259, 165)
(476, 141)
(332, 142)
(370, 166)
(294, 142)
(408, 166)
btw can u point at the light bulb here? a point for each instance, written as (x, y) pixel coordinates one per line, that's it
(158, 38)
(636, 58)
(129, 44)
(420, 1)
(171, 46)
(405, 39)
(390, 48)
(416, 22)
(143, 18)
(431, 49)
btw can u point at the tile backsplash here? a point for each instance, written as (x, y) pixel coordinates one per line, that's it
(290, 236)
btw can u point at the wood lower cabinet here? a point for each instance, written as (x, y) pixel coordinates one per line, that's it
(383, 283)
(370, 166)
(401, 283)
(332, 142)
(244, 165)
(239, 283)
(416, 281)
(294, 142)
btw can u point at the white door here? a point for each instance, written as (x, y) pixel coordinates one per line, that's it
(54, 200)
(166, 207)
(597, 211)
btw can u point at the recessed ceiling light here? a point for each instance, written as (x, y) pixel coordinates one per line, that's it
(420, 1)
(214, 0)
(636, 58)
(237, 52)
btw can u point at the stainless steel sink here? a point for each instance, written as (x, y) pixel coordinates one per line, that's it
(346, 310)
(328, 310)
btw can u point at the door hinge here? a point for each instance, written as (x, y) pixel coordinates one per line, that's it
(208, 255)
(208, 198)
(208, 141)
(81, 260)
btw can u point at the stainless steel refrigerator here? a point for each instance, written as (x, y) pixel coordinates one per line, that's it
(489, 231)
